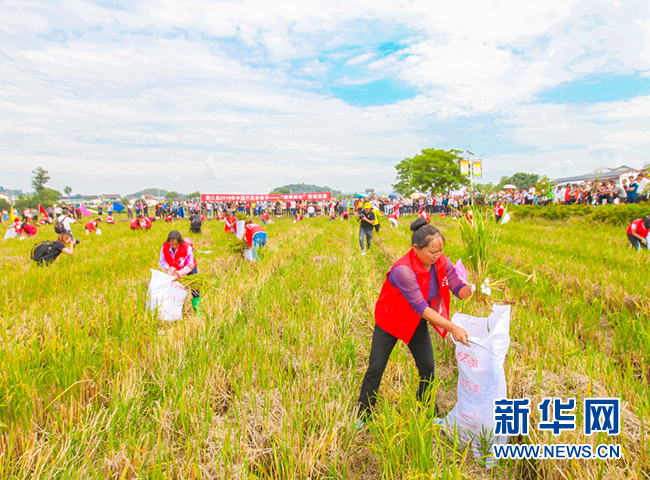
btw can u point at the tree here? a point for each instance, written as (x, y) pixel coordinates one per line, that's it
(67, 191)
(280, 191)
(520, 180)
(432, 171)
(171, 195)
(39, 180)
(196, 194)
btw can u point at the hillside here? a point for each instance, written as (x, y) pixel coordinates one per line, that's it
(152, 191)
(305, 188)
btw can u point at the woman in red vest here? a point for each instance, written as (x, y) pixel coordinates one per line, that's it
(638, 232)
(177, 259)
(416, 292)
(231, 224)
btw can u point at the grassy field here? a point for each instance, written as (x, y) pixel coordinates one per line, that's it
(264, 385)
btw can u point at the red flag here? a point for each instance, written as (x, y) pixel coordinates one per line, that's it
(41, 209)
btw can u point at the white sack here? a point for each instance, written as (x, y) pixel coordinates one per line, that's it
(481, 380)
(166, 296)
(505, 218)
(240, 229)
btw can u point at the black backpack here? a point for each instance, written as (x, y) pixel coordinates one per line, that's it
(195, 226)
(59, 227)
(42, 252)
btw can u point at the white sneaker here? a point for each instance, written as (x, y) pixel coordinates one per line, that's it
(363, 252)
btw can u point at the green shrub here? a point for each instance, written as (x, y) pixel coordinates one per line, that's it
(613, 214)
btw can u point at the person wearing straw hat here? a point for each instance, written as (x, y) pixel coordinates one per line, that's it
(177, 259)
(366, 217)
(416, 292)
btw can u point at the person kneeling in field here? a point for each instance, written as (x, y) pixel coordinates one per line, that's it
(255, 237)
(298, 217)
(92, 227)
(110, 220)
(46, 252)
(195, 223)
(26, 229)
(638, 232)
(177, 259)
(141, 222)
(416, 292)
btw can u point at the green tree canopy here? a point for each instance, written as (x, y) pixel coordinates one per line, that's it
(520, 180)
(196, 194)
(432, 171)
(67, 191)
(41, 177)
(171, 195)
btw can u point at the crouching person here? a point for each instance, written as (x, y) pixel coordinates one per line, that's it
(256, 238)
(177, 259)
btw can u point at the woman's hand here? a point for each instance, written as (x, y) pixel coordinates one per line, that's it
(460, 335)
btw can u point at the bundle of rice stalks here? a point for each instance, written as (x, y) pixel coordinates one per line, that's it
(199, 281)
(236, 246)
(241, 216)
(480, 241)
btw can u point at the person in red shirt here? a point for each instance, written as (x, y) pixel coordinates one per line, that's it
(638, 232)
(499, 210)
(27, 229)
(265, 218)
(425, 215)
(231, 224)
(299, 217)
(416, 292)
(110, 220)
(92, 226)
(393, 218)
(141, 222)
(345, 216)
(256, 238)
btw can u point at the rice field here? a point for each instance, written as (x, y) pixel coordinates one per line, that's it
(264, 385)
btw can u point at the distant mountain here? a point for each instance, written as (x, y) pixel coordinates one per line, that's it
(151, 191)
(305, 188)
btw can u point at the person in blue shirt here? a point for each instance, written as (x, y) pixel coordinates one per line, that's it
(632, 188)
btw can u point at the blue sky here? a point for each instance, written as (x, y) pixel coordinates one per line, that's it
(243, 96)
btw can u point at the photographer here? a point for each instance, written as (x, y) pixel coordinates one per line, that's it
(46, 252)
(367, 219)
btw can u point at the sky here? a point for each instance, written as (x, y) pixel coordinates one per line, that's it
(114, 96)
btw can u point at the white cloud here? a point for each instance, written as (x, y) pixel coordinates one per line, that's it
(235, 112)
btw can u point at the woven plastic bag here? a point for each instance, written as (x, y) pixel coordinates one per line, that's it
(166, 296)
(481, 381)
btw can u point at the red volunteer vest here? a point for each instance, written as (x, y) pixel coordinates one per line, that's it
(640, 230)
(394, 314)
(252, 229)
(499, 210)
(90, 226)
(230, 224)
(425, 215)
(181, 253)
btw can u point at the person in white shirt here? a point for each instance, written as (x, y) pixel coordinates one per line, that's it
(66, 220)
(642, 191)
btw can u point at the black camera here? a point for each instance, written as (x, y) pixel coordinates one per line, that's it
(76, 240)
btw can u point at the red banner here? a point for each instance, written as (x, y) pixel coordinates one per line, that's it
(299, 197)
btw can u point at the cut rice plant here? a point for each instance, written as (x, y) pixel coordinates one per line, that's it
(264, 385)
(480, 238)
(236, 246)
